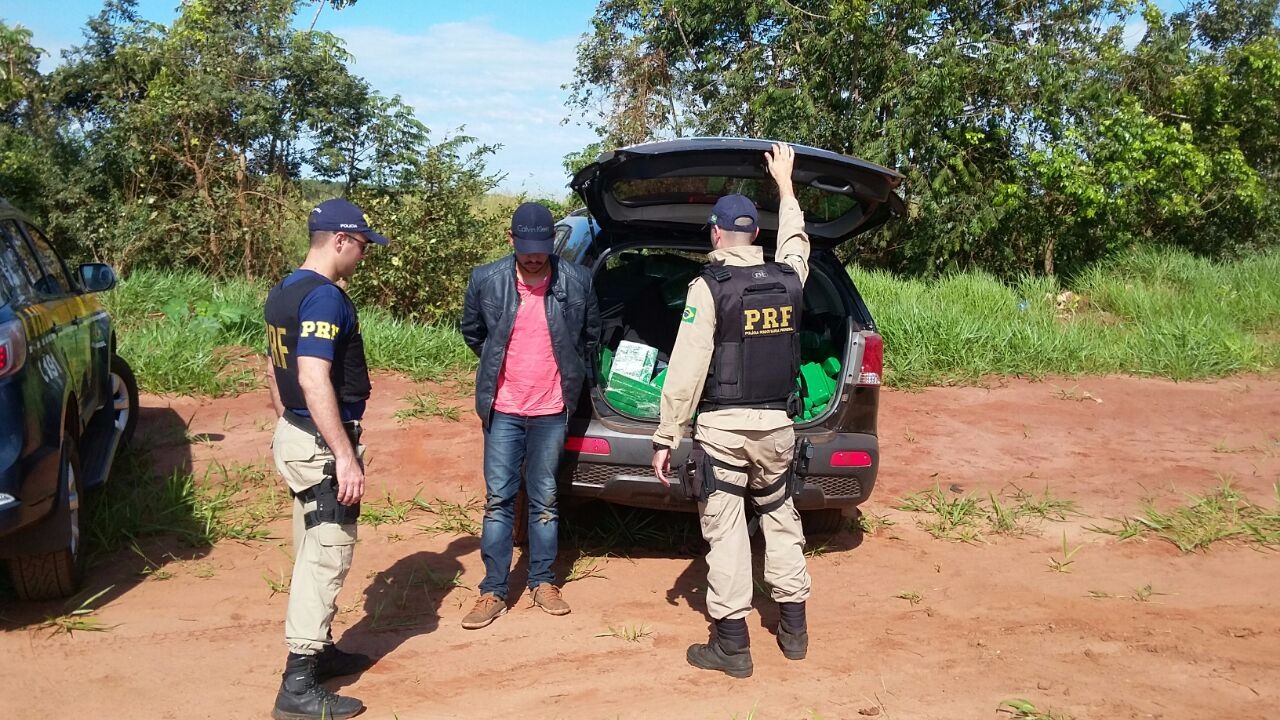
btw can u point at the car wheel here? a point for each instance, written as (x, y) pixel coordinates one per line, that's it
(57, 574)
(822, 522)
(124, 398)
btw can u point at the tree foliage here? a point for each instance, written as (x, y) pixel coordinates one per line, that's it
(1034, 135)
(186, 145)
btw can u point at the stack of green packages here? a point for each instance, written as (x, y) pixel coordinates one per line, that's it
(819, 371)
(631, 386)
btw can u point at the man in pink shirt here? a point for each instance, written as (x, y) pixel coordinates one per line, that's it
(534, 323)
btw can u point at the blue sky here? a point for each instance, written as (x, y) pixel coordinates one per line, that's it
(495, 67)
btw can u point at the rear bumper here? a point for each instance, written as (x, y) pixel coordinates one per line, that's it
(623, 476)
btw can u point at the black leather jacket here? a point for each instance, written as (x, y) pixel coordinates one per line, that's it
(573, 320)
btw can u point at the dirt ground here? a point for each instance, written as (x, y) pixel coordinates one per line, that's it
(1135, 629)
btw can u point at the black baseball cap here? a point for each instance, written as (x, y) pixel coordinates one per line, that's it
(736, 213)
(338, 215)
(532, 229)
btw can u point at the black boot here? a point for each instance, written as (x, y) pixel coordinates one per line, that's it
(793, 631)
(333, 662)
(729, 651)
(301, 696)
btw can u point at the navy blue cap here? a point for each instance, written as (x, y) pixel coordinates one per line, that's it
(338, 215)
(533, 229)
(734, 212)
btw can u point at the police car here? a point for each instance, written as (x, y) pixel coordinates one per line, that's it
(67, 402)
(643, 234)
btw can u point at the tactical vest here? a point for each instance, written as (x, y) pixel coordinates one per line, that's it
(757, 346)
(349, 374)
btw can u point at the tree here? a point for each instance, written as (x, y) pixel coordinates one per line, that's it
(1016, 124)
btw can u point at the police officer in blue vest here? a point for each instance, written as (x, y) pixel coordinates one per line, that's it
(319, 385)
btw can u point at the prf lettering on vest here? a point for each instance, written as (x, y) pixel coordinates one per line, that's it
(321, 329)
(275, 340)
(767, 321)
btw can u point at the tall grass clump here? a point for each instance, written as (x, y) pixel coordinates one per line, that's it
(1162, 313)
(186, 333)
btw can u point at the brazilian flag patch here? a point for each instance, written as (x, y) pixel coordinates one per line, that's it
(689, 314)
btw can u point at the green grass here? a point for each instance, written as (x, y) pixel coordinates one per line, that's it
(1223, 514)
(184, 333)
(426, 405)
(971, 518)
(1019, 708)
(226, 503)
(1158, 313)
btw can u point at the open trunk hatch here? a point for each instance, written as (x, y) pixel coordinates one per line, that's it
(672, 185)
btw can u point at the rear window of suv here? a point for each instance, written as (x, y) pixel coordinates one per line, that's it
(818, 205)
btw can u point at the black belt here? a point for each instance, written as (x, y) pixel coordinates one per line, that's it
(352, 427)
(709, 406)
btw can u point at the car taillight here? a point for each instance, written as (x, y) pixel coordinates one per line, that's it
(872, 360)
(13, 347)
(587, 445)
(850, 458)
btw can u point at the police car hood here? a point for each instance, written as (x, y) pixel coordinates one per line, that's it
(672, 185)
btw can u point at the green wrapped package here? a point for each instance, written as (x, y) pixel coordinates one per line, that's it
(831, 366)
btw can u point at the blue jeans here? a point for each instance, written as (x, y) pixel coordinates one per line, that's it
(513, 442)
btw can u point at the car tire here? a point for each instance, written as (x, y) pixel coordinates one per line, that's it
(822, 522)
(124, 398)
(57, 574)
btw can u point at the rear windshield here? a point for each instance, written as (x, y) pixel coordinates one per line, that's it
(818, 205)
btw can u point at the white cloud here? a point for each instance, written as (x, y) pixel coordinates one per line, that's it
(503, 88)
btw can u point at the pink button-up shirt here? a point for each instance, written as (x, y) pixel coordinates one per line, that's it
(529, 383)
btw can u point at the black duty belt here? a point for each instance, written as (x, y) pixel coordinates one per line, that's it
(352, 427)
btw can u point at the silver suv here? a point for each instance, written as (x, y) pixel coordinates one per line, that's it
(642, 234)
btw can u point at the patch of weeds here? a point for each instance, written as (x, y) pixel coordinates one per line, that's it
(425, 405)
(1025, 710)
(387, 511)
(1002, 518)
(817, 550)
(585, 566)
(1144, 593)
(1076, 394)
(78, 619)
(951, 518)
(1221, 514)
(607, 529)
(1044, 507)
(152, 569)
(910, 596)
(633, 632)
(1222, 448)
(450, 518)
(966, 518)
(1063, 564)
(204, 570)
(278, 585)
(872, 523)
(234, 503)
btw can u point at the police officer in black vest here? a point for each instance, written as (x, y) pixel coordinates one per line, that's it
(319, 385)
(735, 362)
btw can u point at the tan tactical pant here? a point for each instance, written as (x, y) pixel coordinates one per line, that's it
(766, 454)
(321, 555)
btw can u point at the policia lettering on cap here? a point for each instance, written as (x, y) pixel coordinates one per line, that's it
(735, 362)
(319, 385)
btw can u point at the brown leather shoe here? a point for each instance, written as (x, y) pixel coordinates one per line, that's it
(547, 597)
(488, 607)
